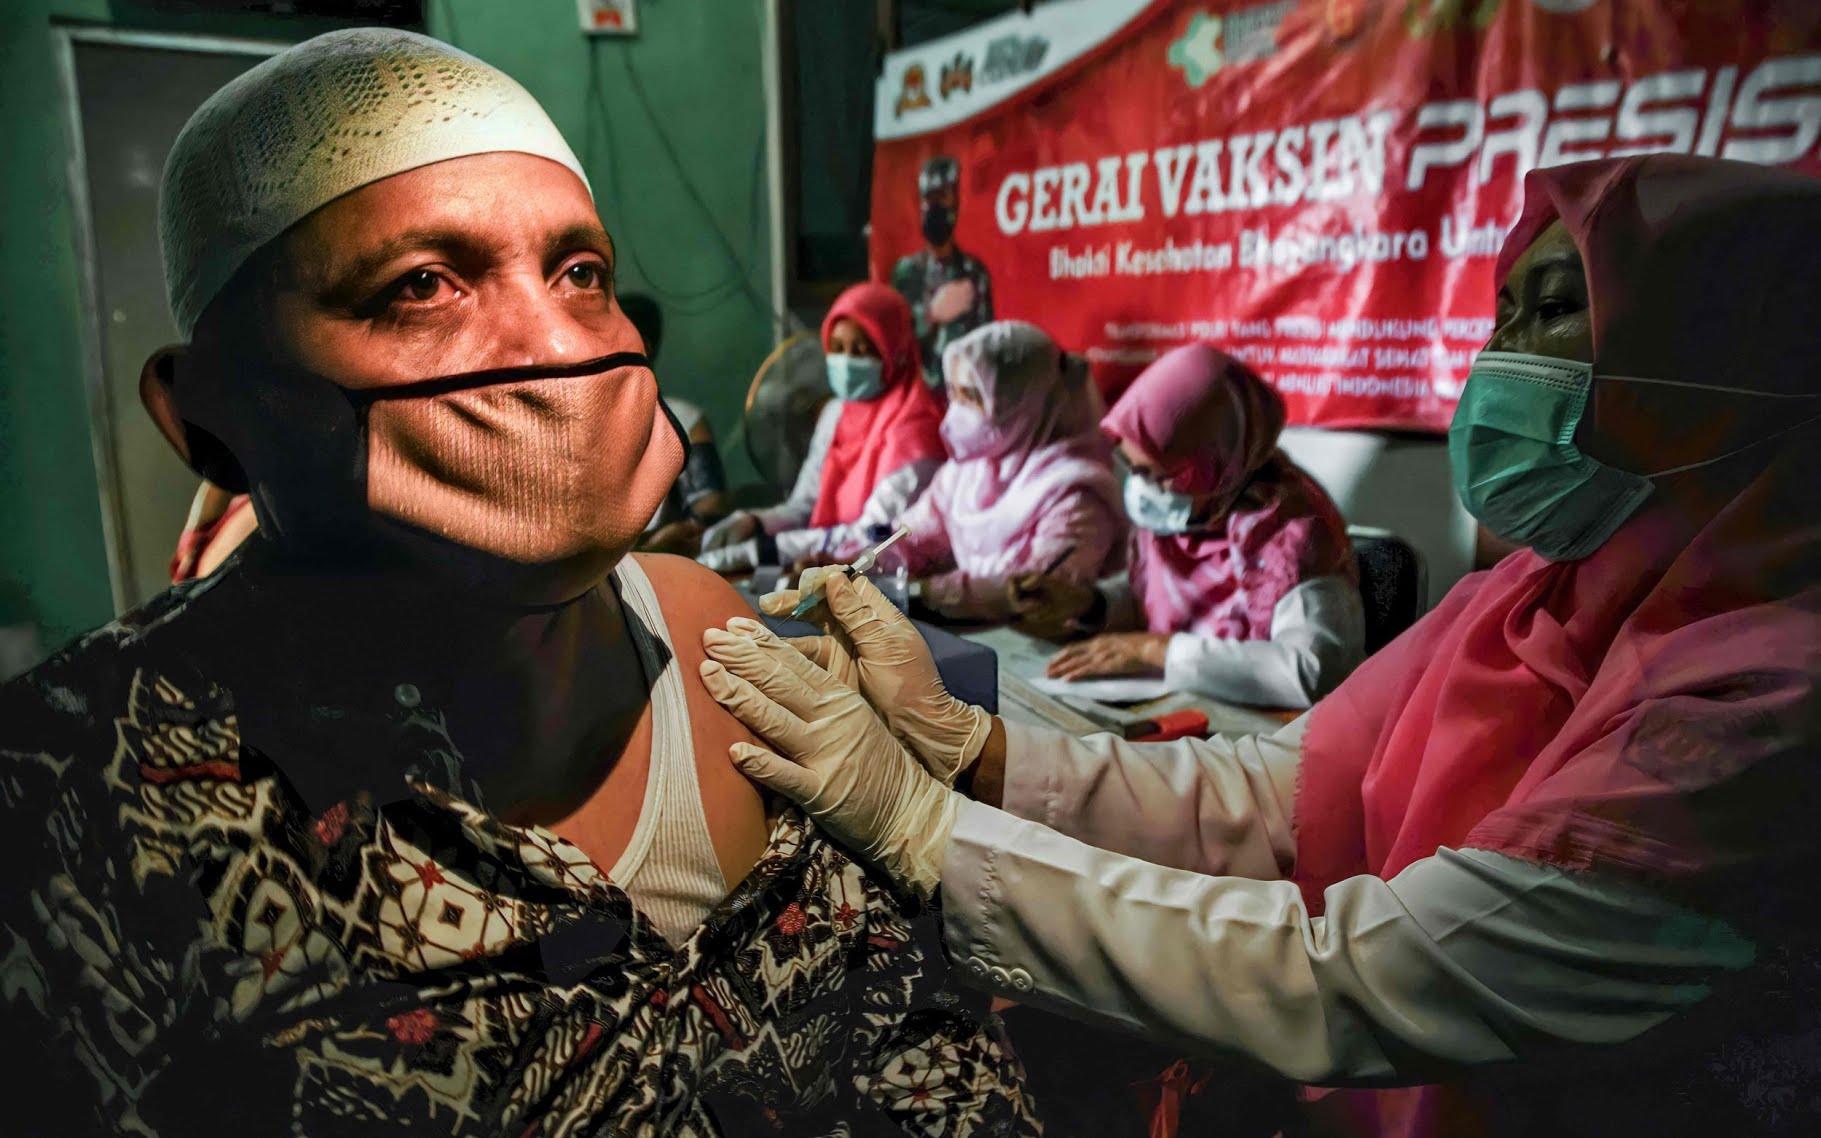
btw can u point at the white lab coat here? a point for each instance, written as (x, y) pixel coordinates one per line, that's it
(1143, 886)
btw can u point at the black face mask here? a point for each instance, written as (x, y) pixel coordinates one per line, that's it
(317, 451)
(938, 223)
(363, 398)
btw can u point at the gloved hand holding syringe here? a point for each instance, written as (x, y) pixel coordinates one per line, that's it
(811, 585)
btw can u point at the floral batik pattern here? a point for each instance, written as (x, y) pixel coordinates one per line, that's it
(187, 949)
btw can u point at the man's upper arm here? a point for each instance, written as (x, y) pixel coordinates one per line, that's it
(692, 600)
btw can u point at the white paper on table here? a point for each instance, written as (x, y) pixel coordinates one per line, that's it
(1120, 689)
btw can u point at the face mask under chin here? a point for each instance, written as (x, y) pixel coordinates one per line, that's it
(527, 484)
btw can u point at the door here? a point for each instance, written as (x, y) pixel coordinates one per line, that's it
(131, 94)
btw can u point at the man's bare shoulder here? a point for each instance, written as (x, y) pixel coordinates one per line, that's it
(692, 593)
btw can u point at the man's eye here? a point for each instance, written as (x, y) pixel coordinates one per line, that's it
(420, 284)
(586, 275)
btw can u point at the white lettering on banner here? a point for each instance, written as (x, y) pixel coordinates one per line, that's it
(1245, 171)
(1670, 131)
(1474, 329)
(1801, 117)
(1775, 118)
(1295, 251)
(1012, 208)
(1195, 257)
(1067, 265)
(1043, 185)
(1465, 240)
(1564, 132)
(1364, 328)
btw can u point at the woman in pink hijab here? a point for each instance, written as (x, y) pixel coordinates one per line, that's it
(1028, 486)
(1242, 576)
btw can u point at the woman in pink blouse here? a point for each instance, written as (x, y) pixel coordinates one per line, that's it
(1028, 485)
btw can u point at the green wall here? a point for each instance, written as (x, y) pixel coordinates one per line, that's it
(53, 566)
(699, 65)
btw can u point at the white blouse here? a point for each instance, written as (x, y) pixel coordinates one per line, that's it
(788, 521)
(1318, 636)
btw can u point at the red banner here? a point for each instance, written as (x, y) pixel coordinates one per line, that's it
(1319, 186)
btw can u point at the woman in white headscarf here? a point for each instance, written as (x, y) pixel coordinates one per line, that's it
(1028, 486)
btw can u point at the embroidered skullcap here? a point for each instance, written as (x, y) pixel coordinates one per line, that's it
(316, 121)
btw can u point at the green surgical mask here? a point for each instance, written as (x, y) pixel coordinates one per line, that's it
(1517, 469)
(855, 377)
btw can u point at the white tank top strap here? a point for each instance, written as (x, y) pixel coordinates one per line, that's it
(669, 868)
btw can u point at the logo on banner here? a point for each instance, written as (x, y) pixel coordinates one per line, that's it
(1344, 18)
(1211, 43)
(1011, 56)
(1426, 17)
(914, 94)
(958, 74)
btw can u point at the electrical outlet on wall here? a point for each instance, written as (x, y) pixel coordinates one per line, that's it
(609, 17)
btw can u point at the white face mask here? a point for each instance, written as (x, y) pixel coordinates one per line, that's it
(1155, 508)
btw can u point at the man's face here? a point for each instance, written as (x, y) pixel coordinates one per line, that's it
(939, 216)
(478, 263)
(495, 260)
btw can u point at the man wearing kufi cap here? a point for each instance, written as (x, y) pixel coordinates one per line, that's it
(949, 290)
(414, 818)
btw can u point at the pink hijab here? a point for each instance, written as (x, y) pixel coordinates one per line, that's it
(1651, 709)
(877, 437)
(1211, 426)
(1037, 448)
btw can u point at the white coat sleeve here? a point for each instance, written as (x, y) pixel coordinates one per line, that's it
(1318, 636)
(1465, 958)
(891, 496)
(1220, 805)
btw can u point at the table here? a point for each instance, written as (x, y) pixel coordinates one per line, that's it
(1022, 657)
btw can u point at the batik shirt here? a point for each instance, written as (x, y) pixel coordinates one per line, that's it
(186, 949)
(917, 277)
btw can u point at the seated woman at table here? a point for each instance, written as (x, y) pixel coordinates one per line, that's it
(876, 445)
(1028, 485)
(698, 498)
(1242, 582)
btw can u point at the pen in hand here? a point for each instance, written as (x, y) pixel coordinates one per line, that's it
(1021, 584)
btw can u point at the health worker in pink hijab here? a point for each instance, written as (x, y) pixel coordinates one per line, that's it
(1242, 582)
(1028, 485)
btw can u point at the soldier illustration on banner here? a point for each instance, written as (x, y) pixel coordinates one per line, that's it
(950, 291)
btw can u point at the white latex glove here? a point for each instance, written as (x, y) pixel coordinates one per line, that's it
(731, 558)
(874, 647)
(730, 530)
(843, 766)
